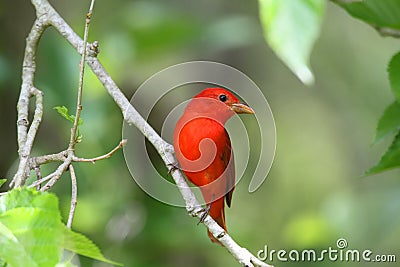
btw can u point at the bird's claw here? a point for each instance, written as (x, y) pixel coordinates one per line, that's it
(173, 167)
(204, 214)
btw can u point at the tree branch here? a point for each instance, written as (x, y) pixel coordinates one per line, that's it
(38, 175)
(74, 196)
(62, 156)
(74, 128)
(67, 157)
(54, 176)
(27, 134)
(48, 16)
(105, 156)
(41, 160)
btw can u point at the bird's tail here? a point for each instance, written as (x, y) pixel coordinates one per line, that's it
(218, 214)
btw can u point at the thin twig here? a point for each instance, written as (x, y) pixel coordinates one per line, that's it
(42, 180)
(105, 156)
(25, 149)
(40, 160)
(28, 72)
(63, 156)
(56, 174)
(27, 91)
(74, 196)
(39, 176)
(74, 128)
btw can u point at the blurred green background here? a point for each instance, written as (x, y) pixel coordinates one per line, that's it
(315, 192)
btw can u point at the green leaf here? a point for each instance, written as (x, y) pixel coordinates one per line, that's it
(23, 198)
(32, 233)
(389, 122)
(291, 27)
(381, 13)
(391, 158)
(30, 228)
(2, 181)
(63, 111)
(12, 251)
(394, 75)
(82, 245)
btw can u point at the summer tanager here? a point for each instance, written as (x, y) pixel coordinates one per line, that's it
(203, 148)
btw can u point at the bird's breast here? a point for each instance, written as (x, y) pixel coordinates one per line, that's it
(199, 147)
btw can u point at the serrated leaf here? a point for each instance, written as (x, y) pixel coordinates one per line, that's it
(389, 122)
(82, 245)
(63, 111)
(391, 158)
(2, 181)
(291, 27)
(24, 197)
(382, 13)
(394, 75)
(30, 228)
(32, 233)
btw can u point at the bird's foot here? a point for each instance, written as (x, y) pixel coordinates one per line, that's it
(205, 212)
(173, 167)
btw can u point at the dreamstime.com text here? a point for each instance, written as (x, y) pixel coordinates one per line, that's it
(339, 253)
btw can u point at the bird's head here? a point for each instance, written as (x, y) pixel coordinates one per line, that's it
(218, 102)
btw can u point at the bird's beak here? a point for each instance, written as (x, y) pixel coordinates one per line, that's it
(240, 108)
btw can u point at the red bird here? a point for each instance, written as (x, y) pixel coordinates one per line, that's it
(203, 148)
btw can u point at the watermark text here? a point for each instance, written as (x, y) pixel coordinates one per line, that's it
(338, 253)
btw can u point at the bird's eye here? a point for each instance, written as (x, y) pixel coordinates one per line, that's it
(223, 98)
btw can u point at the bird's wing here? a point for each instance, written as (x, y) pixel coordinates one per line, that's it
(228, 159)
